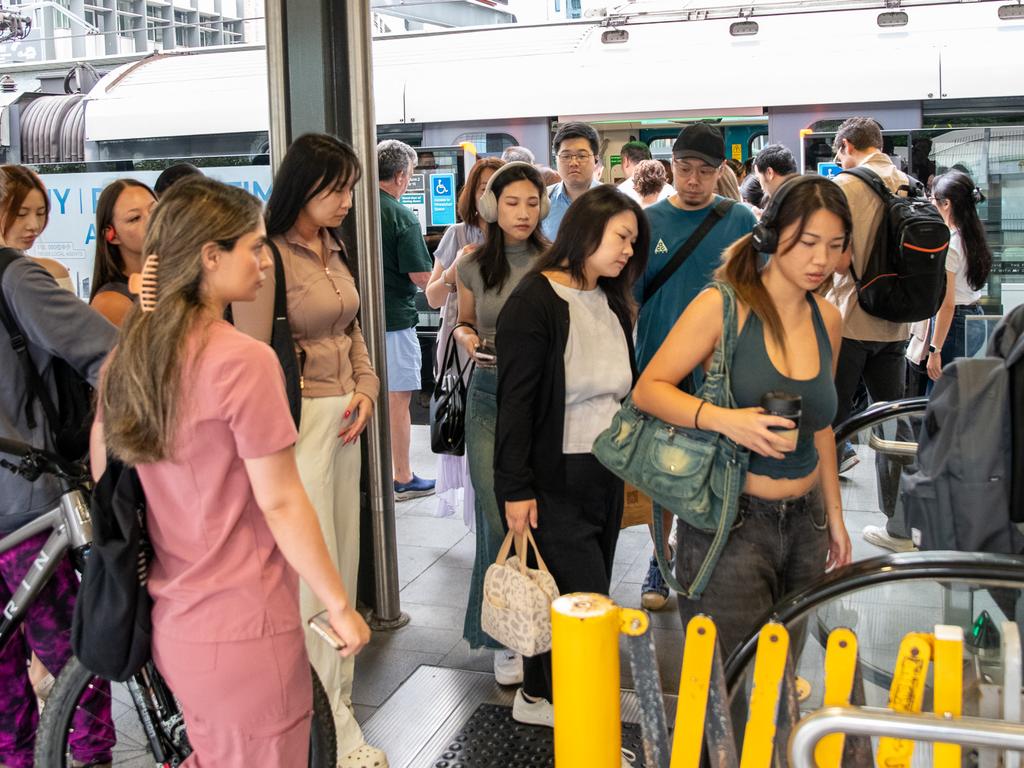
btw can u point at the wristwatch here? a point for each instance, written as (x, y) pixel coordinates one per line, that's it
(932, 349)
(452, 287)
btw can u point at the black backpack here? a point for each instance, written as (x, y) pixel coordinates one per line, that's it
(70, 419)
(904, 279)
(112, 628)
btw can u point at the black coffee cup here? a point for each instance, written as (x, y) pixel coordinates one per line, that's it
(785, 405)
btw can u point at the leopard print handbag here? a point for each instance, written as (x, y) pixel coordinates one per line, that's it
(517, 600)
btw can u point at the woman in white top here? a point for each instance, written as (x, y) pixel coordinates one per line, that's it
(968, 264)
(565, 362)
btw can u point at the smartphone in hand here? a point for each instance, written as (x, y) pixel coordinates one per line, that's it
(322, 626)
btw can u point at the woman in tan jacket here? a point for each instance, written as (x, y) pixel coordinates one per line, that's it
(312, 194)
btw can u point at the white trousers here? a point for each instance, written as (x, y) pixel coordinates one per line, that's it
(330, 474)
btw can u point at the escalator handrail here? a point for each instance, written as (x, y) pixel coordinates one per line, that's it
(905, 566)
(878, 412)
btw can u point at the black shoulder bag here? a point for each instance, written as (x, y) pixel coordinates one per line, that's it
(448, 403)
(112, 628)
(715, 215)
(281, 340)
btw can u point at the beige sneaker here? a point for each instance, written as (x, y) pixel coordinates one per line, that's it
(364, 756)
(874, 534)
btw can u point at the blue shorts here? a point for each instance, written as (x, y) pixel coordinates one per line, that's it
(404, 360)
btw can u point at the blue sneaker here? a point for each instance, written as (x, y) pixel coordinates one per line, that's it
(413, 489)
(654, 592)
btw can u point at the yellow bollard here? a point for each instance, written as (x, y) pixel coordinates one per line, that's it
(949, 688)
(840, 667)
(585, 667)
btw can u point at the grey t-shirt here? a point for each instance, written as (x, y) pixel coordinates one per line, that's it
(521, 259)
(55, 323)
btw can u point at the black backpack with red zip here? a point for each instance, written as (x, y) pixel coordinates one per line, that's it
(904, 279)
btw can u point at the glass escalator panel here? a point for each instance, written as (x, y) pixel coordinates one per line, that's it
(882, 600)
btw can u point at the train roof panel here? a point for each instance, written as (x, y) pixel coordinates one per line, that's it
(181, 94)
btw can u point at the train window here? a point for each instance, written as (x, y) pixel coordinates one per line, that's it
(662, 148)
(756, 143)
(487, 143)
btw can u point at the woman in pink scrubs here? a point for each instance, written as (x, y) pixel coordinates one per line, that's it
(200, 409)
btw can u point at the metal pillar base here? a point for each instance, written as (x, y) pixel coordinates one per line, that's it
(377, 624)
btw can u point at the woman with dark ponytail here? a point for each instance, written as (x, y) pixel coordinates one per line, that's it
(790, 527)
(968, 264)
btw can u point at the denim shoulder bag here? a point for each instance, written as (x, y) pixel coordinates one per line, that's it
(694, 474)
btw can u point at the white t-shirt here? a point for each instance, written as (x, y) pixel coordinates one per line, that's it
(956, 262)
(597, 372)
(627, 187)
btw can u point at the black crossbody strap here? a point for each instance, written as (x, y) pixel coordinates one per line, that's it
(34, 384)
(715, 215)
(280, 288)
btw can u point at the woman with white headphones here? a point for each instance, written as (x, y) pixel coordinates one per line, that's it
(515, 200)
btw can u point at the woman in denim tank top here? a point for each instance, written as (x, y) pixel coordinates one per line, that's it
(790, 526)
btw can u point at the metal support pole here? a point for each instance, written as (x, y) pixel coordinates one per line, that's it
(277, 82)
(912, 727)
(387, 613)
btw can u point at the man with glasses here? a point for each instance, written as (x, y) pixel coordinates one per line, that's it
(698, 155)
(576, 147)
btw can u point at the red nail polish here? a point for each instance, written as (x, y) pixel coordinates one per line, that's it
(347, 414)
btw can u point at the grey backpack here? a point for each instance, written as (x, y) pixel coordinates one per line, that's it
(959, 499)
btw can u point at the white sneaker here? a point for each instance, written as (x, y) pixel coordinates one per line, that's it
(628, 758)
(508, 667)
(874, 534)
(539, 712)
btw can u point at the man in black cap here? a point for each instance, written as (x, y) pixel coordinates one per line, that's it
(682, 257)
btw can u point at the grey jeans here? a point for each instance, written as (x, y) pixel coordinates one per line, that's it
(775, 547)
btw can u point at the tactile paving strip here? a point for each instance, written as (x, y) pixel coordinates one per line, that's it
(492, 739)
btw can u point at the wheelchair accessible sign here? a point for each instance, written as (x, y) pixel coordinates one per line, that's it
(442, 199)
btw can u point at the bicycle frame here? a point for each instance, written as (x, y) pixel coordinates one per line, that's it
(72, 530)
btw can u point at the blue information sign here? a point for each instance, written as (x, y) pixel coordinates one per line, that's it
(829, 170)
(442, 199)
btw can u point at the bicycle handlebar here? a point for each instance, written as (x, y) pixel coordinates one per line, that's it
(37, 461)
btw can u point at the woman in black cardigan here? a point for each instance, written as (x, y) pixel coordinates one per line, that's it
(565, 362)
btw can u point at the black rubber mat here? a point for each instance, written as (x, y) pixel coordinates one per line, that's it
(492, 739)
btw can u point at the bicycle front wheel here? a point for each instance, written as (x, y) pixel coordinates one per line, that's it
(132, 724)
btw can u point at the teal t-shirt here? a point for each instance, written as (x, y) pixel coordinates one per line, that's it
(403, 251)
(670, 228)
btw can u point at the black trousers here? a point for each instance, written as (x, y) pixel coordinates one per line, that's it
(577, 529)
(881, 365)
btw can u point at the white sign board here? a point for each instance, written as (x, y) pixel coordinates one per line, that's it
(70, 236)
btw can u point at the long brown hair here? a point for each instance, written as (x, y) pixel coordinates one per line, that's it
(16, 181)
(742, 264)
(109, 266)
(142, 388)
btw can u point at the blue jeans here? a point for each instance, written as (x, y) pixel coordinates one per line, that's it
(957, 344)
(481, 415)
